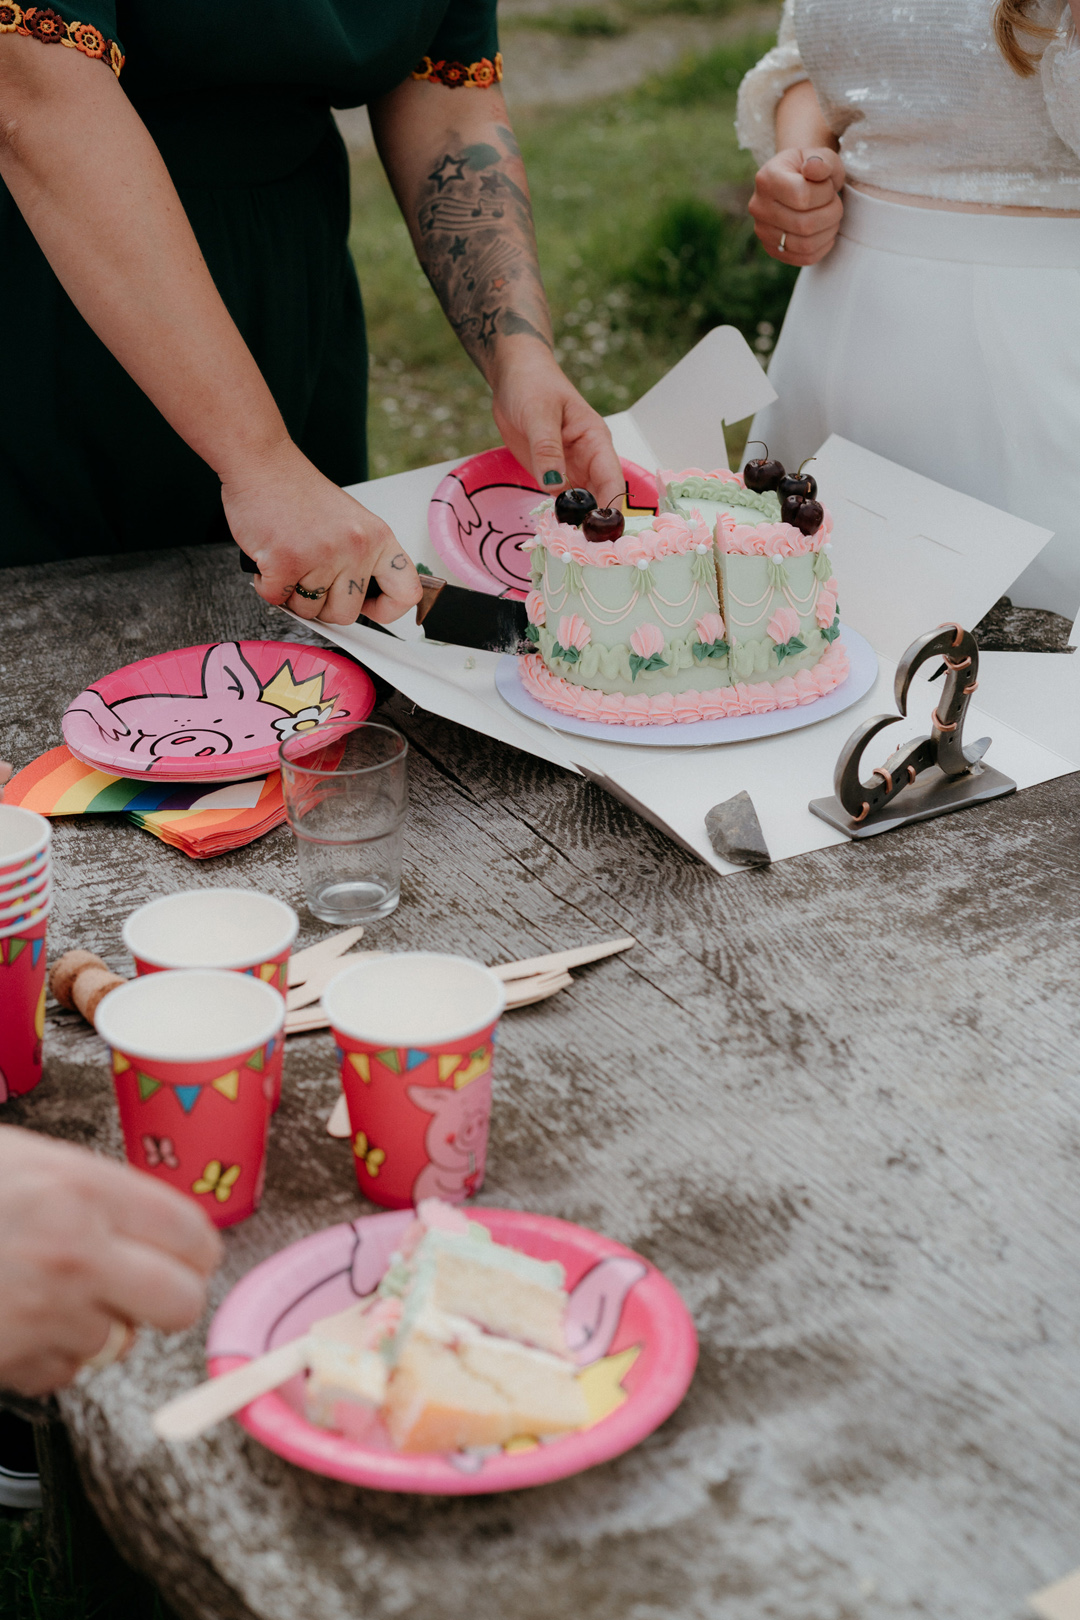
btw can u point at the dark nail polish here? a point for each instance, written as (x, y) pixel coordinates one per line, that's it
(553, 478)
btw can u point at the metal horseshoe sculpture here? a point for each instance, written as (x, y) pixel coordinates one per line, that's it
(929, 776)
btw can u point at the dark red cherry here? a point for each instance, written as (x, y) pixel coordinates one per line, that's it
(762, 474)
(574, 505)
(798, 483)
(811, 517)
(789, 509)
(605, 523)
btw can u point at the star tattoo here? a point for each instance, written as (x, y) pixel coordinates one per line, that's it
(488, 326)
(447, 169)
(457, 247)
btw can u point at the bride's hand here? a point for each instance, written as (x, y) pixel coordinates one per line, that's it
(797, 200)
(316, 549)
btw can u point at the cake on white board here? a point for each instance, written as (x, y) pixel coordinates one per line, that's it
(469, 1342)
(722, 604)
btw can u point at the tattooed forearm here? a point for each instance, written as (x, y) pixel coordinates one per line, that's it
(474, 233)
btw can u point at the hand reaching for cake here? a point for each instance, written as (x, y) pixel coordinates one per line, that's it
(552, 430)
(86, 1244)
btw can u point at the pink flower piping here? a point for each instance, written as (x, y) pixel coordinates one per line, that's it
(535, 611)
(710, 628)
(783, 625)
(825, 611)
(574, 632)
(647, 639)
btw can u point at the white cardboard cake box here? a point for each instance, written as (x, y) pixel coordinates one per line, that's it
(909, 554)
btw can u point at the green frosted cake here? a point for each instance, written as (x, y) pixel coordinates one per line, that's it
(714, 607)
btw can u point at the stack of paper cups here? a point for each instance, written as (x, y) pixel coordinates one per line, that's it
(25, 897)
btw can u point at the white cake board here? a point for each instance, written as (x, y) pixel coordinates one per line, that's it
(700, 733)
(673, 787)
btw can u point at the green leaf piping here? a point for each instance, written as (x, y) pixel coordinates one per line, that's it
(640, 666)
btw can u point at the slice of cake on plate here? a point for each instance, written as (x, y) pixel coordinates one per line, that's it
(469, 1339)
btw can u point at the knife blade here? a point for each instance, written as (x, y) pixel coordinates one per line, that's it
(453, 613)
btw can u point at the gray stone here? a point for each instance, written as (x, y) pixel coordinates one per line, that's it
(735, 832)
(837, 1104)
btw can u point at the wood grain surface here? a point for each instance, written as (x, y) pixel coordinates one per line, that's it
(836, 1100)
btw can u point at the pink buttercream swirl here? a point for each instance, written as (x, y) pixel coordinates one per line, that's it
(535, 609)
(710, 628)
(684, 708)
(723, 474)
(769, 539)
(668, 536)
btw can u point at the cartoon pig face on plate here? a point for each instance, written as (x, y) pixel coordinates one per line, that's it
(234, 713)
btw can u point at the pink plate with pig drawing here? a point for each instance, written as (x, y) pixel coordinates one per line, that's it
(213, 713)
(481, 512)
(627, 1328)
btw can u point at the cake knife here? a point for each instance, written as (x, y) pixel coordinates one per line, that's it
(453, 613)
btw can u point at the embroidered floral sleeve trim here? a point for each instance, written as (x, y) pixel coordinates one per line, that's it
(471, 75)
(44, 24)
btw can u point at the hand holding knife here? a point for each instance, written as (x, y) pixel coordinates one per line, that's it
(452, 613)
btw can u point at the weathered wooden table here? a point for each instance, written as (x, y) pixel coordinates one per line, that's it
(835, 1100)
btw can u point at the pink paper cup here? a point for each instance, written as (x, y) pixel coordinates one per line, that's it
(23, 836)
(22, 1007)
(236, 930)
(415, 1033)
(190, 1054)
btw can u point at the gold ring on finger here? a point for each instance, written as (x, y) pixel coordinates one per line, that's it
(119, 1340)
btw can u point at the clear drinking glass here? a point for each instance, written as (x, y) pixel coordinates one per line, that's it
(346, 792)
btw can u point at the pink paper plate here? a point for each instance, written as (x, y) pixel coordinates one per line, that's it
(217, 712)
(481, 512)
(625, 1323)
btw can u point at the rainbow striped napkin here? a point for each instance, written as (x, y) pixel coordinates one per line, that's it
(195, 817)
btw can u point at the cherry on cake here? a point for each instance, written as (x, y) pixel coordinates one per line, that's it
(723, 604)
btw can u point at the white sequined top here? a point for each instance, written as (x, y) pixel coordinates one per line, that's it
(923, 101)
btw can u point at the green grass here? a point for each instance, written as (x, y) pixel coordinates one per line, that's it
(577, 22)
(608, 181)
(28, 1590)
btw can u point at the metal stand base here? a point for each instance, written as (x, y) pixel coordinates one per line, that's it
(932, 795)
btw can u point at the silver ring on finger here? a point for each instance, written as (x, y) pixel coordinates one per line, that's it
(311, 596)
(781, 246)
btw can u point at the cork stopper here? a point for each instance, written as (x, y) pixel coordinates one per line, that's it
(80, 981)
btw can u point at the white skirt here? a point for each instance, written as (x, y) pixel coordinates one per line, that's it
(949, 343)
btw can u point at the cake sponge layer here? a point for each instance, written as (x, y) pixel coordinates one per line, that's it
(500, 1289)
(481, 1393)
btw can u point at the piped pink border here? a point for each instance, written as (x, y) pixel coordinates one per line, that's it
(684, 708)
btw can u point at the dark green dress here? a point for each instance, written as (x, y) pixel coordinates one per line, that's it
(237, 96)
